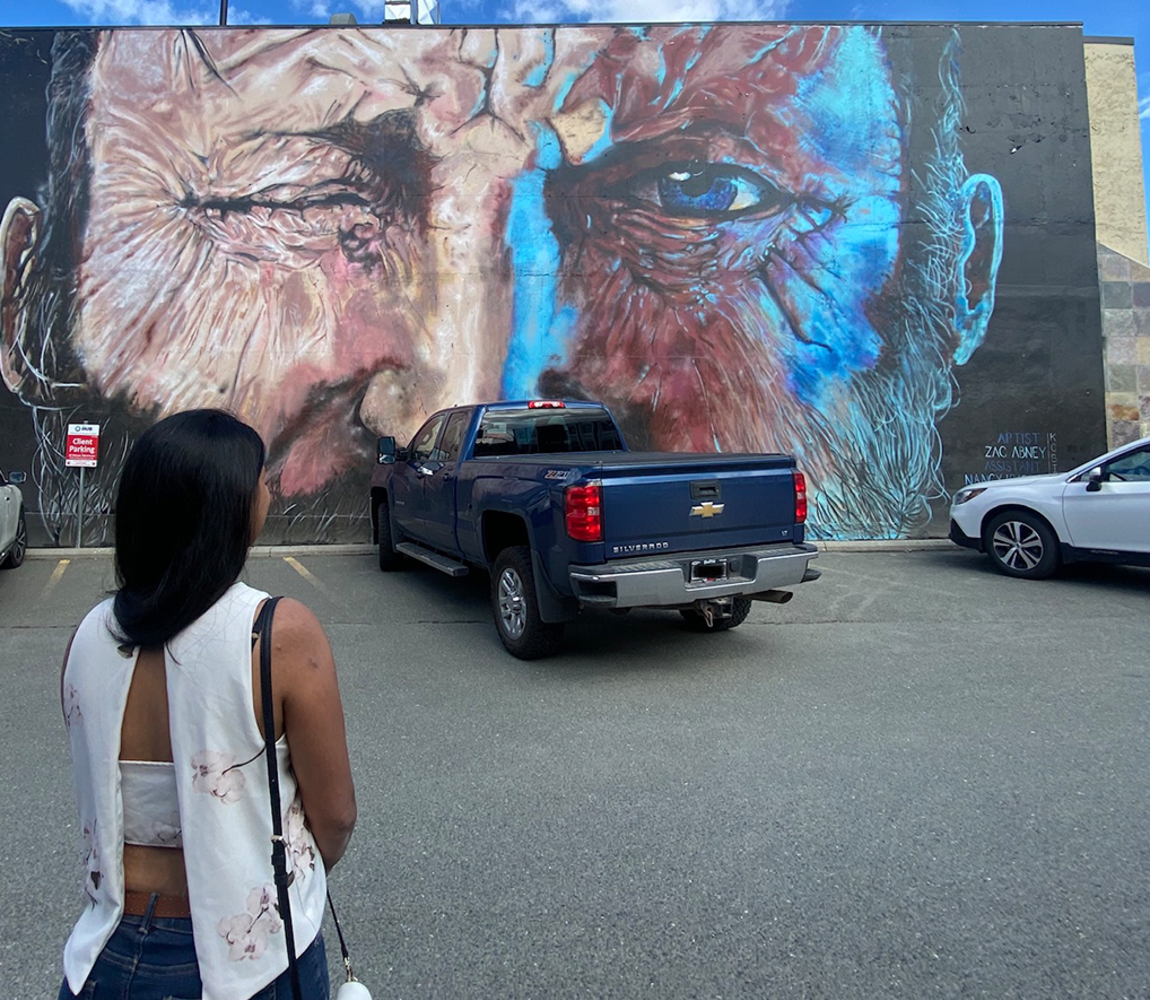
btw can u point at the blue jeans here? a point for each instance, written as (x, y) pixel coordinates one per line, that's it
(154, 958)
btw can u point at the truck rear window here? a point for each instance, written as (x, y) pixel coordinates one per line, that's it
(545, 432)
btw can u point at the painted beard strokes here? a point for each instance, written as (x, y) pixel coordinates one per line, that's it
(691, 370)
(872, 454)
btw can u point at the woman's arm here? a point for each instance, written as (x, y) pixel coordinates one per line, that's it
(305, 682)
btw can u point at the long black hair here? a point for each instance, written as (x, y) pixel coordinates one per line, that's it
(183, 521)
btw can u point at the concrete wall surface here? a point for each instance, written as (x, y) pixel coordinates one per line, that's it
(1116, 148)
(1126, 326)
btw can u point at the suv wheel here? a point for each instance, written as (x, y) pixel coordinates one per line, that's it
(1021, 544)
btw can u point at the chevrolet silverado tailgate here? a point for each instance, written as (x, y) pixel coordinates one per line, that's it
(678, 502)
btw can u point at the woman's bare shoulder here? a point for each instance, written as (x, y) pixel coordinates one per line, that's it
(294, 618)
(297, 631)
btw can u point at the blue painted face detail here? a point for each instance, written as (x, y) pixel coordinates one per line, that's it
(797, 223)
(603, 143)
(844, 117)
(822, 299)
(536, 77)
(535, 257)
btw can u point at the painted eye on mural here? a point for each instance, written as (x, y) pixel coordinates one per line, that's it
(704, 190)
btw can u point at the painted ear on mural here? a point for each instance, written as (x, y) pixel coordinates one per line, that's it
(19, 232)
(976, 266)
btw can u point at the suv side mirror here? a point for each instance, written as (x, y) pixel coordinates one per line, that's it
(1094, 479)
(386, 449)
(16, 478)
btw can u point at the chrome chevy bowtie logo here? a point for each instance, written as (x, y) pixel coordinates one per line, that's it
(707, 509)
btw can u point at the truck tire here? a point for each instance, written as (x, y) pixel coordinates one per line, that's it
(389, 559)
(740, 608)
(516, 608)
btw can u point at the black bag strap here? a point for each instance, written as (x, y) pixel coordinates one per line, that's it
(342, 944)
(263, 631)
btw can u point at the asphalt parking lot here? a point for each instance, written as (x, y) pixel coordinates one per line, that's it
(917, 779)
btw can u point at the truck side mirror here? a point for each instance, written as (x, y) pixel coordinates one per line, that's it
(1094, 479)
(386, 449)
(16, 478)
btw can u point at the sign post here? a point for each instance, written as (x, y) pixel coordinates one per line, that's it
(82, 451)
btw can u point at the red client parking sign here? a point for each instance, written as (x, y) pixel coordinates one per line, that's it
(83, 445)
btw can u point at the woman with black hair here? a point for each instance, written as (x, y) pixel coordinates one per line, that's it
(161, 697)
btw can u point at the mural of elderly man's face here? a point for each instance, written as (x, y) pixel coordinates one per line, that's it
(334, 233)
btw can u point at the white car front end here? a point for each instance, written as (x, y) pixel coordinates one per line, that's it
(13, 527)
(1028, 526)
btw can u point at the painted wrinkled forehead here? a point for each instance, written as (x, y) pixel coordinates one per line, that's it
(268, 79)
(807, 97)
(257, 80)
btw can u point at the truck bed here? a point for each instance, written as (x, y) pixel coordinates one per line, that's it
(664, 502)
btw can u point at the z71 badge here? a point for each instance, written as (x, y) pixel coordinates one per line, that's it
(557, 474)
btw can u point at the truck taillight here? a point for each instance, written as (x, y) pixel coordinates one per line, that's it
(800, 498)
(546, 404)
(584, 509)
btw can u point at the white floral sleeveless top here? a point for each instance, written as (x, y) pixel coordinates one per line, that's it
(222, 789)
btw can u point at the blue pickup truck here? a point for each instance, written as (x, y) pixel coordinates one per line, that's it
(544, 495)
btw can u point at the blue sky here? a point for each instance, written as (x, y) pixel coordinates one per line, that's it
(1120, 19)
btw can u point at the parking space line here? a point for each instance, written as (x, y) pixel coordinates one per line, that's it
(54, 578)
(303, 571)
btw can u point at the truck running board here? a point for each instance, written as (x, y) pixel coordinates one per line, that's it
(444, 564)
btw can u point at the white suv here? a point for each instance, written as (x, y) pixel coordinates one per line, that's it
(13, 527)
(1028, 526)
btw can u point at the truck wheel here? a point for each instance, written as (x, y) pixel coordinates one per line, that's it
(516, 608)
(740, 608)
(389, 559)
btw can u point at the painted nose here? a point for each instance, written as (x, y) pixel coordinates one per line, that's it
(467, 335)
(458, 313)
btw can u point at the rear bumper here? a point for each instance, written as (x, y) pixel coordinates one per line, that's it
(665, 581)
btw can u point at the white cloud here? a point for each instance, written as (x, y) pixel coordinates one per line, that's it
(369, 11)
(144, 12)
(315, 11)
(237, 15)
(643, 11)
(1144, 107)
